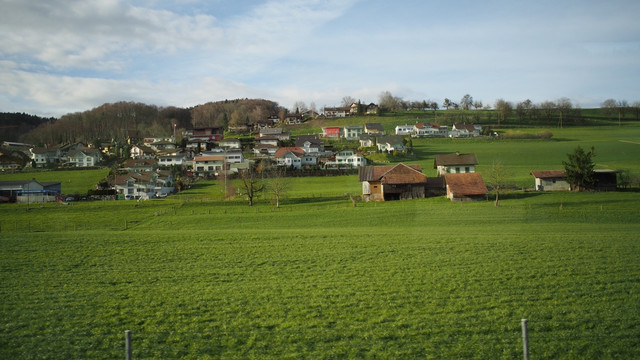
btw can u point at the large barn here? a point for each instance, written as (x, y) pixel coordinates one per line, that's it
(392, 182)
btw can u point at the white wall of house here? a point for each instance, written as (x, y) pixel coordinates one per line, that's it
(455, 169)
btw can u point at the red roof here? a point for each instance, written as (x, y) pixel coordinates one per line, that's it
(393, 174)
(298, 152)
(465, 184)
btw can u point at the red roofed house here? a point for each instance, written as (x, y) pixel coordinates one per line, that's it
(465, 187)
(294, 156)
(551, 180)
(332, 132)
(392, 182)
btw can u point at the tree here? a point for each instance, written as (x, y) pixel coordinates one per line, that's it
(579, 169)
(564, 106)
(278, 185)
(388, 102)
(446, 103)
(504, 109)
(251, 185)
(347, 101)
(496, 178)
(466, 102)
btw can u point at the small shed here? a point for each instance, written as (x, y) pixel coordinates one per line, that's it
(465, 187)
(550, 180)
(606, 179)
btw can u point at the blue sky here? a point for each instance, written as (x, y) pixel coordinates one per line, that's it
(61, 56)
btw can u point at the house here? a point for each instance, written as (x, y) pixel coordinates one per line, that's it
(332, 132)
(404, 129)
(465, 187)
(162, 145)
(275, 133)
(372, 109)
(390, 143)
(29, 191)
(346, 159)
(175, 159)
(265, 149)
(392, 182)
(139, 165)
(429, 130)
(465, 130)
(230, 144)
(310, 143)
(455, 163)
(352, 132)
(208, 164)
(289, 156)
(337, 112)
(550, 180)
(44, 156)
(374, 129)
(265, 123)
(142, 152)
(144, 185)
(293, 119)
(84, 157)
(268, 140)
(367, 140)
(205, 134)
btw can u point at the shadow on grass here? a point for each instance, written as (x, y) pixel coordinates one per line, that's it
(313, 200)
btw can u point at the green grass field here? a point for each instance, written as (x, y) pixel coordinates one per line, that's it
(196, 277)
(72, 181)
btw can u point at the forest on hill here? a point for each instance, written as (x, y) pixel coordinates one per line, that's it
(113, 121)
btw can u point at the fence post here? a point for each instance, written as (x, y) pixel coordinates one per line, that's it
(127, 345)
(525, 339)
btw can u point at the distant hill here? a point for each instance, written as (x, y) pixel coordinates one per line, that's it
(13, 125)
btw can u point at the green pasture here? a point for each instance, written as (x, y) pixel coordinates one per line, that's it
(72, 181)
(199, 278)
(194, 276)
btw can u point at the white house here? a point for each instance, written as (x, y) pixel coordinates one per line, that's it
(310, 143)
(178, 159)
(352, 132)
(347, 159)
(208, 164)
(265, 149)
(404, 129)
(289, 156)
(84, 157)
(455, 163)
(141, 152)
(230, 144)
(44, 156)
(337, 112)
(145, 185)
(465, 130)
(390, 143)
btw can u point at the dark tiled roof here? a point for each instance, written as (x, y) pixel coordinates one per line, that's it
(545, 174)
(455, 159)
(392, 174)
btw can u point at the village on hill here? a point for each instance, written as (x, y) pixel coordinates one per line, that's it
(157, 167)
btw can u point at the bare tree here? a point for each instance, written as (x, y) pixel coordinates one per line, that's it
(251, 185)
(496, 178)
(388, 102)
(278, 185)
(299, 107)
(564, 106)
(347, 101)
(504, 109)
(466, 102)
(477, 104)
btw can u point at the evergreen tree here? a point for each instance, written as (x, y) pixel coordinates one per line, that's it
(579, 169)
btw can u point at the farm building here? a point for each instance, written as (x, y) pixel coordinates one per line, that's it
(606, 179)
(29, 191)
(392, 182)
(465, 187)
(455, 163)
(550, 180)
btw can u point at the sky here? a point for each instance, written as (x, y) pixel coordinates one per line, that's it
(65, 56)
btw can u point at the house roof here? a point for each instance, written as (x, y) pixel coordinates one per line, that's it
(392, 174)
(546, 174)
(133, 163)
(312, 139)
(293, 149)
(209, 158)
(455, 159)
(145, 149)
(465, 184)
(390, 139)
(374, 126)
(468, 127)
(85, 151)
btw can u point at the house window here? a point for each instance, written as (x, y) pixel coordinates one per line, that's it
(466, 169)
(458, 170)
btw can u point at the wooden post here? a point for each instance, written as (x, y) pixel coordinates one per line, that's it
(127, 345)
(525, 339)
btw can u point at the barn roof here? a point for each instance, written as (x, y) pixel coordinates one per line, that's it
(547, 174)
(465, 184)
(393, 174)
(455, 159)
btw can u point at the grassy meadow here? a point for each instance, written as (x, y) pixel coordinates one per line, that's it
(194, 276)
